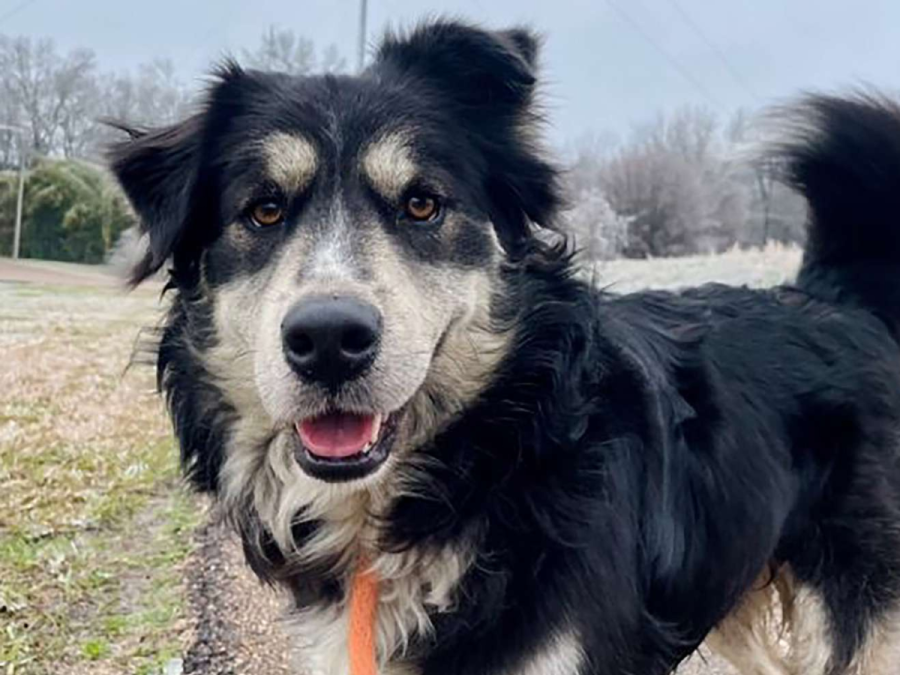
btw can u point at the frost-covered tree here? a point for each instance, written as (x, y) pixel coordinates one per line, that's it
(47, 93)
(599, 232)
(676, 181)
(685, 184)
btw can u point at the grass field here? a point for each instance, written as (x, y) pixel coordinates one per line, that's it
(94, 525)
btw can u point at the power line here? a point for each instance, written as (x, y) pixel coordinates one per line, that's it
(686, 17)
(15, 10)
(627, 18)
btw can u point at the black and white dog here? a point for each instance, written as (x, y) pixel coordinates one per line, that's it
(371, 359)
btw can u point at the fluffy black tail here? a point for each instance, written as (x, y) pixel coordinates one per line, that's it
(843, 155)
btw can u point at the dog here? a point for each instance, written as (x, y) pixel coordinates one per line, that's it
(377, 363)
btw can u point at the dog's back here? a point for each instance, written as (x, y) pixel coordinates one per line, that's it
(830, 603)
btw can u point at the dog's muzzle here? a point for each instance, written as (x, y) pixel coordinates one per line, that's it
(330, 341)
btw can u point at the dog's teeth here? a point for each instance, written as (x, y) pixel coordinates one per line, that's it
(376, 429)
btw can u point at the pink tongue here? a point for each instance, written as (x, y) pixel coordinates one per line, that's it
(336, 435)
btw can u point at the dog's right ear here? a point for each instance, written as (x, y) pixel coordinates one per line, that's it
(158, 171)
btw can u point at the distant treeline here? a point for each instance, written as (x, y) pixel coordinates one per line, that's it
(60, 99)
(73, 210)
(683, 184)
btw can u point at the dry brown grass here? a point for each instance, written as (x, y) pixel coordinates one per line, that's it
(90, 525)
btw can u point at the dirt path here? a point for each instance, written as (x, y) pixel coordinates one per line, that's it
(56, 273)
(70, 275)
(237, 621)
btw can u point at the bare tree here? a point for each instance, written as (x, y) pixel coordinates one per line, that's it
(155, 96)
(285, 51)
(152, 97)
(683, 184)
(775, 212)
(677, 184)
(28, 78)
(9, 140)
(332, 61)
(587, 154)
(598, 231)
(60, 99)
(77, 97)
(54, 97)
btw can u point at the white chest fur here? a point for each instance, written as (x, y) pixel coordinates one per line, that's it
(411, 588)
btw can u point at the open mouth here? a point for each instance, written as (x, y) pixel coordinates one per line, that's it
(343, 446)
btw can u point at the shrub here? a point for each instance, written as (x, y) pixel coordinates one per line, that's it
(73, 212)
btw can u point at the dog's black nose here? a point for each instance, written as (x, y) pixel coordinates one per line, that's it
(329, 340)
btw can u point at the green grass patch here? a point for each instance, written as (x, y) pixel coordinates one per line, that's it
(94, 525)
(94, 650)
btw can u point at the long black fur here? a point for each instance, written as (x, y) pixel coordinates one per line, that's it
(637, 462)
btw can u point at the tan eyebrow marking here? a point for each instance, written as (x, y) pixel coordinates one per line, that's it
(388, 164)
(291, 160)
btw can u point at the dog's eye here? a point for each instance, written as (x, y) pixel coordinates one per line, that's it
(421, 208)
(267, 214)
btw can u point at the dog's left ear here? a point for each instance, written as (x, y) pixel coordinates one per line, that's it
(487, 79)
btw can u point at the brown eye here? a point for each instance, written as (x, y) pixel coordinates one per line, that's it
(267, 214)
(421, 208)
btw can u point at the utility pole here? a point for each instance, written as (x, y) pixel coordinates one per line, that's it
(361, 47)
(17, 235)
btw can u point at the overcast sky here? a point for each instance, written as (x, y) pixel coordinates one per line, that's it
(607, 64)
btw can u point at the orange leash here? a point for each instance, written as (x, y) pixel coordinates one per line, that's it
(363, 613)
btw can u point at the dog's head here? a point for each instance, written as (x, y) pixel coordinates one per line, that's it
(336, 243)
